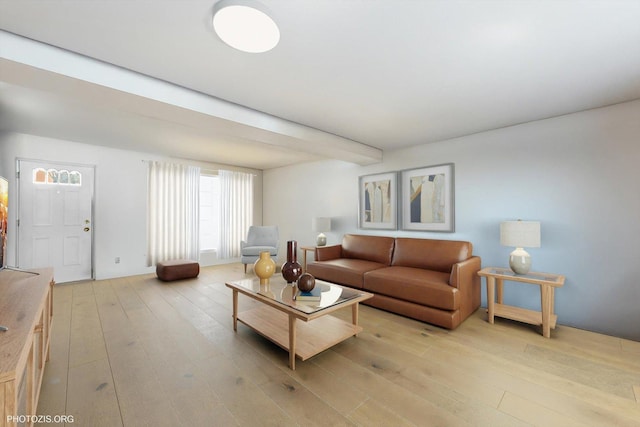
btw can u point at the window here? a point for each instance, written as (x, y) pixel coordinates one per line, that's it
(53, 176)
(209, 212)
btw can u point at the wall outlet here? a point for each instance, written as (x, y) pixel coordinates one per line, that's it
(117, 260)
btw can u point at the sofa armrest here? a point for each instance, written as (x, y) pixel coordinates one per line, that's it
(464, 277)
(325, 253)
(464, 272)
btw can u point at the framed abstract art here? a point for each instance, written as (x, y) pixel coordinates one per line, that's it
(378, 206)
(427, 198)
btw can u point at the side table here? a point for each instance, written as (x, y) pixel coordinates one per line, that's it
(304, 250)
(547, 282)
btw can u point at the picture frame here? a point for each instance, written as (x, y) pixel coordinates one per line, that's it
(427, 198)
(378, 205)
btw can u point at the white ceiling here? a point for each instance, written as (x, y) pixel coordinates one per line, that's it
(371, 75)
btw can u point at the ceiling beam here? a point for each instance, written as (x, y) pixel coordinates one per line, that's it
(36, 65)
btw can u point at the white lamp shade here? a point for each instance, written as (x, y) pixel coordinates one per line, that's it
(520, 234)
(321, 224)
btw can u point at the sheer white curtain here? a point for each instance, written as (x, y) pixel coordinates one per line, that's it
(173, 212)
(236, 211)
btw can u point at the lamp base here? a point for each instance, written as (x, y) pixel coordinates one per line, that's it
(321, 240)
(520, 261)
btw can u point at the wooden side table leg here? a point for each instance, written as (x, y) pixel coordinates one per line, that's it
(499, 290)
(545, 294)
(304, 260)
(235, 310)
(491, 287)
(292, 342)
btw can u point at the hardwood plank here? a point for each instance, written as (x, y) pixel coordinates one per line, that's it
(563, 364)
(414, 408)
(91, 396)
(405, 340)
(248, 404)
(335, 390)
(201, 409)
(629, 346)
(535, 414)
(594, 406)
(437, 373)
(301, 404)
(413, 375)
(149, 413)
(86, 346)
(112, 314)
(137, 351)
(371, 413)
(604, 377)
(588, 346)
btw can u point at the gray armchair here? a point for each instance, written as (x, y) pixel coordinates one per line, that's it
(259, 239)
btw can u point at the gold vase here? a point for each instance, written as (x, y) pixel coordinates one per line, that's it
(264, 267)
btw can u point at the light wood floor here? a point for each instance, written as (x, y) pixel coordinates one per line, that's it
(138, 352)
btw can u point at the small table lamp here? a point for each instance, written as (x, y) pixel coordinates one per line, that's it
(520, 234)
(321, 225)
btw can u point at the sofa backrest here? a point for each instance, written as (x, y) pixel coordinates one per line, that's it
(370, 248)
(430, 254)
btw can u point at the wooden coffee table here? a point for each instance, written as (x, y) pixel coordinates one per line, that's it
(276, 318)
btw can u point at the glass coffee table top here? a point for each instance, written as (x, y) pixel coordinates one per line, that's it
(278, 290)
(508, 274)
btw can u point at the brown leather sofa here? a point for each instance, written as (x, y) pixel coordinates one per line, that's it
(434, 281)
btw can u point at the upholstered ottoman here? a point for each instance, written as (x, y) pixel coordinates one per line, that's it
(177, 269)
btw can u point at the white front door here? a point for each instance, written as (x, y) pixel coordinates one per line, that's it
(55, 219)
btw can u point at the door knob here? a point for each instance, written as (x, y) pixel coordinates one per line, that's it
(86, 229)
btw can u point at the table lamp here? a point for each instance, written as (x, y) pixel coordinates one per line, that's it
(321, 225)
(520, 234)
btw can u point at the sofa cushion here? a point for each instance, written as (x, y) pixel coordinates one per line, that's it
(371, 248)
(426, 287)
(430, 254)
(342, 271)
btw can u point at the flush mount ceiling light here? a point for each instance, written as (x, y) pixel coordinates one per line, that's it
(245, 25)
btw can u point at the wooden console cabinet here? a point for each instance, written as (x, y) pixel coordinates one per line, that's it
(26, 309)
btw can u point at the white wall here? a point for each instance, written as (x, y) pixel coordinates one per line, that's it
(578, 174)
(119, 200)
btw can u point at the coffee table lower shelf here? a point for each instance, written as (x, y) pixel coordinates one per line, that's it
(311, 337)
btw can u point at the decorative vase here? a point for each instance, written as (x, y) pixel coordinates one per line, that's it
(291, 269)
(306, 282)
(264, 267)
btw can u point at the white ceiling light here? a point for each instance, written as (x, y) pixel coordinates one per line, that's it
(245, 25)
